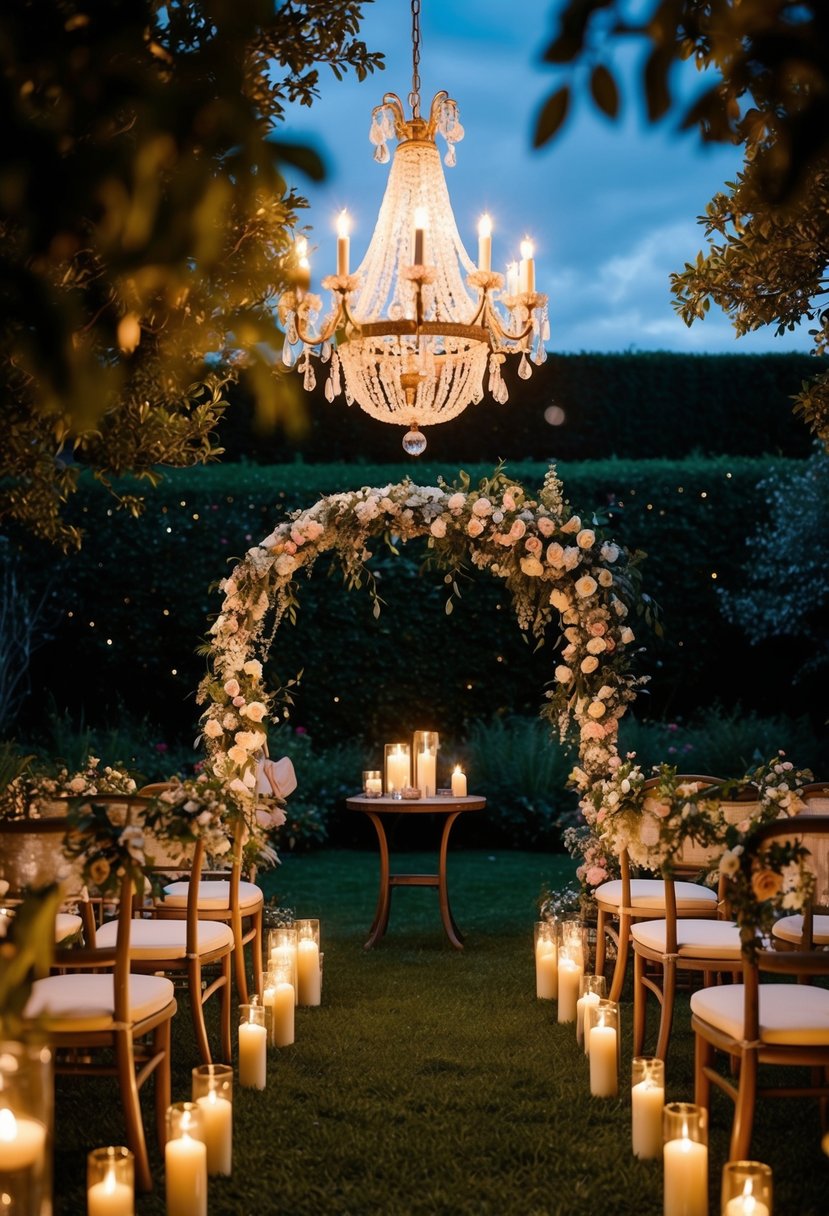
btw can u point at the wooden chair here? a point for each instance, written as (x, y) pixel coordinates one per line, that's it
(623, 901)
(182, 948)
(775, 1024)
(789, 929)
(223, 896)
(94, 1006)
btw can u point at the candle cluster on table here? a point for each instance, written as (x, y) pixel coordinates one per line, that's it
(213, 1094)
(647, 1099)
(110, 1182)
(746, 1189)
(411, 771)
(546, 959)
(685, 1159)
(185, 1161)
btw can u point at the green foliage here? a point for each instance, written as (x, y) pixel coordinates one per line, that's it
(522, 771)
(146, 226)
(370, 679)
(632, 405)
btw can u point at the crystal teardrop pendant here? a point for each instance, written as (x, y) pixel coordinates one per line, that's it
(414, 441)
(329, 390)
(524, 369)
(288, 355)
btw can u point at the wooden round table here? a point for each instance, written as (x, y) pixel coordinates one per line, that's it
(375, 809)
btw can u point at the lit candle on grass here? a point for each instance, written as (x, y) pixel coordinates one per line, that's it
(213, 1093)
(647, 1098)
(546, 960)
(253, 1047)
(110, 1182)
(685, 1160)
(185, 1161)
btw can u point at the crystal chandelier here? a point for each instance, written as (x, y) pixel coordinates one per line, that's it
(418, 325)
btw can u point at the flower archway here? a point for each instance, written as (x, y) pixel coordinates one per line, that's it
(554, 566)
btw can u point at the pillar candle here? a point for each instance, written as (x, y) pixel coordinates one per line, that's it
(426, 779)
(22, 1141)
(185, 1162)
(343, 243)
(374, 785)
(282, 1014)
(458, 783)
(484, 243)
(397, 770)
(253, 1055)
(287, 955)
(526, 271)
(217, 1132)
(308, 972)
(590, 998)
(546, 969)
(569, 974)
(686, 1177)
(647, 1101)
(604, 1071)
(109, 1197)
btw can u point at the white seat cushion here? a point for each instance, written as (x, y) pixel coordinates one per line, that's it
(789, 1013)
(714, 939)
(650, 893)
(214, 895)
(166, 939)
(66, 925)
(86, 1002)
(790, 929)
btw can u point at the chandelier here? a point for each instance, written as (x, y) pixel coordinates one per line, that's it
(413, 332)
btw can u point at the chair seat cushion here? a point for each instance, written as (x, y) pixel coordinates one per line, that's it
(793, 1014)
(714, 939)
(167, 939)
(86, 1002)
(214, 896)
(650, 893)
(66, 925)
(790, 929)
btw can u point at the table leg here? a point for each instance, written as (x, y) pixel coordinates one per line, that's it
(452, 931)
(381, 914)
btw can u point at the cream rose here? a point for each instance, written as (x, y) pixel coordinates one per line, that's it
(518, 529)
(559, 600)
(545, 525)
(438, 527)
(212, 729)
(585, 586)
(532, 567)
(573, 524)
(533, 545)
(596, 646)
(232, 687)
(255, 711)
(455, 503)
(589, 664)
(474, 527)
(253, 668)
(605, 578)
(586, 539)
(572, 557)
(482, 506)
(564, 674)
(555, 554)
(597, 709)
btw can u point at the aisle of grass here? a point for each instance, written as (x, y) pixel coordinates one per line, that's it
(432, 1081)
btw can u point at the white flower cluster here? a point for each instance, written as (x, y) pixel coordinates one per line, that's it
(27, 796)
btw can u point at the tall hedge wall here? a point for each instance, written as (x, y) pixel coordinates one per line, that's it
(129, 610)
(641, 406)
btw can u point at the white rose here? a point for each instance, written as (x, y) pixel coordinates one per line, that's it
(572, 557)
(239, 756)
(255, 711)
(597, 709)
(585, 586)
(596, 646)
(586, 539)
(573, 524)
(77, 785)
(232, 687)
(212, 729)
(560, 600)
(572, 634)
(253, 668)
(609, 552)
(438, 527)
(482, 506)
(456, 503)
(626, 636)
(589, 664)
(474, 527)
(563, 674)
(249, 739)
(230, 722)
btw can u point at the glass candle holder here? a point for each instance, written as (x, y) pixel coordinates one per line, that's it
(213, 1094)
(647, 1099)
(309, 979)
(397, 768)
(372, 783)
(546, 937)
(26, 1113)
(685, 1159)
(110, 1182)
(570, 969)
(280, 1004)
(425, 751)
(746, 1189)
(592, 989)
(602, 1029)
(253, 1046)
(282, 948)
(185, 1161)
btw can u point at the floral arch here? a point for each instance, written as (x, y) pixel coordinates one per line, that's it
(554, 566)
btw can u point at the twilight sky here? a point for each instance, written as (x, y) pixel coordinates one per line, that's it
(611, 207)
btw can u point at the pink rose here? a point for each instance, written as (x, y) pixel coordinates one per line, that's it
(438, 527)
(290, 547)
(518, 529)
(482, 506)
(474, 527)
(597, 629)
(232, 688)
(533, 545)
(508, 501)
(545, 525)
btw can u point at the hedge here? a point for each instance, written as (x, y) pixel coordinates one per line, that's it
(637, 406)
(130, 610)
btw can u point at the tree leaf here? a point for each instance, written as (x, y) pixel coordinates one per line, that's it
(552, 116)
(605, 90)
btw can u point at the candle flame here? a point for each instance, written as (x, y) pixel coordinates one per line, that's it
(186, 1119)
(109, 1181)
(421, 217)
(343, 223)
(527, 248)
(8, 1125)
(458, 771)
(485, 225)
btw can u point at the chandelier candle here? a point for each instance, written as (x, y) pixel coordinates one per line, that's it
(526, 271)
(343, 242)
(546, 960)
(421, 220)
(303, 271)
(485, 243)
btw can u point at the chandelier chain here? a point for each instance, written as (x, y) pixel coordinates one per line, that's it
(414, 96)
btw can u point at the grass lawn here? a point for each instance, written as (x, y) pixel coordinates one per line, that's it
(432, 1081)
